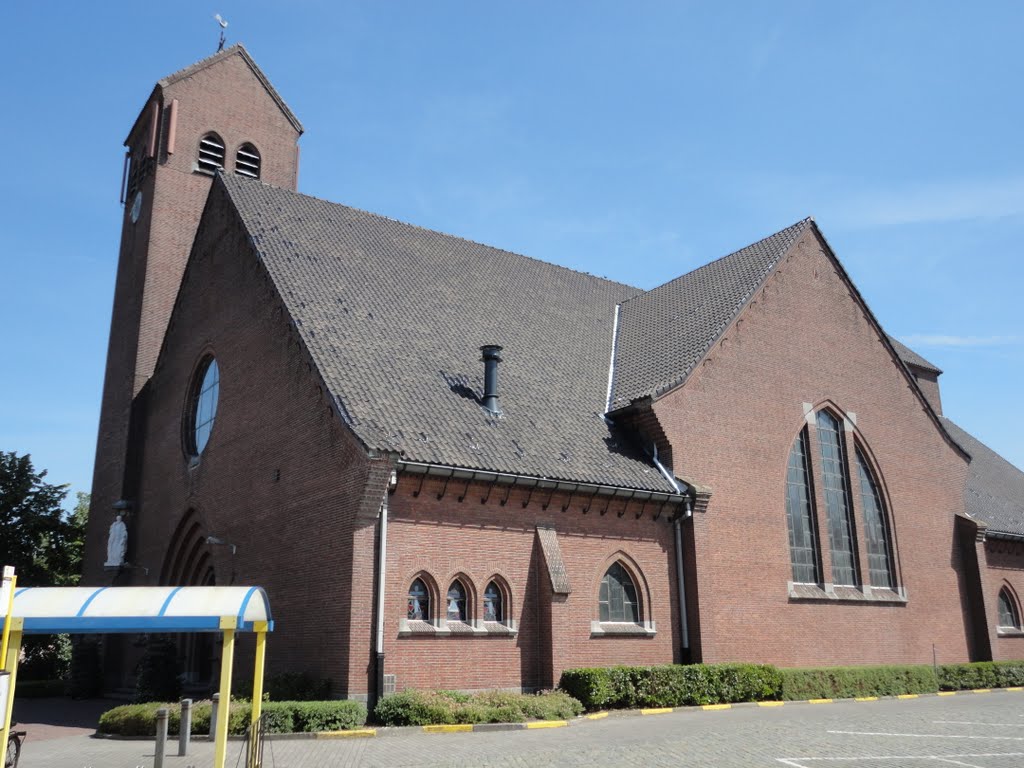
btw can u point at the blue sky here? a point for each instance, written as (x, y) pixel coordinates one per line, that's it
(631, 140)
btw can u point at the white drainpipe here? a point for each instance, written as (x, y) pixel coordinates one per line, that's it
(677, 529)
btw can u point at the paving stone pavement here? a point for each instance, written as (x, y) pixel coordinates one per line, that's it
(973, 730)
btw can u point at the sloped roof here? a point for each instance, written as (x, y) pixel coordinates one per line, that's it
(995, 487)
(665, 332)
(394, 317)
(910, 357)
(236, 49)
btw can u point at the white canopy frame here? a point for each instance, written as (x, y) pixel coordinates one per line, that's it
(113, 610)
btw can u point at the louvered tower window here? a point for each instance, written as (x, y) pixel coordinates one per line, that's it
(247, 161)
(211, 153)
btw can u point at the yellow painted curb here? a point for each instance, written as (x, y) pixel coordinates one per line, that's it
(447, 728)
(819, 701)
(1015, 688)
(981, 690)
(359, 733)
(597, 716)
(656, 711)
(907, 696)
(547, 724)
(946, 693)
(717, 706)
(866, 698)
(770, 703)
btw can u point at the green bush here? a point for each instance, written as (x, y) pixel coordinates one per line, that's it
(86, 680)
(981, 674)
(671, 685)
(158, 671)
(853, 682)
(280, 717)
(40, 689)
(45, 657)
(447, 707)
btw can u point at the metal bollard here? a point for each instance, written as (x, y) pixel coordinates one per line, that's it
(161, 738)
(185, 729)
(213, 716)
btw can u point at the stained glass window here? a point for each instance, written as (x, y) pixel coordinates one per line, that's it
(492, 603)
(419, 601)
(617, 598)
(1008, 618)
(837, 506)
(803, 534)
(876, 527)
(456, 601)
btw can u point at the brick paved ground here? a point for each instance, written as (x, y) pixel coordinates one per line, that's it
(977, 731)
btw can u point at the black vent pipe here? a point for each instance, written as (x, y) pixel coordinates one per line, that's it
(491, 358)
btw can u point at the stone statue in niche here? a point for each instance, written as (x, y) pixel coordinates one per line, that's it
(117, 543)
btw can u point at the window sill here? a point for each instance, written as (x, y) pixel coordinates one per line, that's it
(1009, 632)
(622, 629)
(830, 593)
(445, 628)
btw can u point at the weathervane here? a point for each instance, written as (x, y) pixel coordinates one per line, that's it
(223, 26)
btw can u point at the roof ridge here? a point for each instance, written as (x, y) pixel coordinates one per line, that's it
(420, 228)
(802, 223)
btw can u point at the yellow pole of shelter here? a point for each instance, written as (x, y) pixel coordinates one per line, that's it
(227, 659)
(11, 666)
(257, 678)
(8, 610)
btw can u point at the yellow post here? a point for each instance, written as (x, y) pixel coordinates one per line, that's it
(11, 666)
(227, 658)
(257, 678)
(9, 608)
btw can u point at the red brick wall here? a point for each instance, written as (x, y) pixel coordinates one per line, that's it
(281, 477)
(805, 339)
(225, 97)
(445, 537)
(1004, 565)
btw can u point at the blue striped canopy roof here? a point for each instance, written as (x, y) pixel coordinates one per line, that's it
(48, 610)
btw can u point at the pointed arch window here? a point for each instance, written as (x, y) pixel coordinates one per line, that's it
(837, 501)
(876, 527)
(419, 601)
(493, 604)
(803, 533)
(1009, 616)
(617, 599)
(247, 161)
(211, 153)
(456, 602)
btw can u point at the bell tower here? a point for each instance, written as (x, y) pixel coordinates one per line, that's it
(220, 115)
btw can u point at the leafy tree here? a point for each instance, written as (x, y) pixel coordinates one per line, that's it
(36, 536)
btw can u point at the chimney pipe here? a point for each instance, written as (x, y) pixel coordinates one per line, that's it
(491, 358)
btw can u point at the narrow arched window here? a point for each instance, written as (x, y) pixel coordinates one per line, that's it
(837, 500)
(617, 599)
(1009, 618)
(456, 602)
(493, 608)
(803, 534)
(247, 161)
(876, 527)
(211, 153)
(419, 601)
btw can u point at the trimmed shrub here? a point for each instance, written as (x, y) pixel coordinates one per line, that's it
(448, 707)
(981, 674)
(671, 685)
(852, 682)
(280, 717)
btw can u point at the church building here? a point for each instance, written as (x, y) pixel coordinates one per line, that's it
(452, 466)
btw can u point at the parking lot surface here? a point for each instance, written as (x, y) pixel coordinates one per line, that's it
(968, 730)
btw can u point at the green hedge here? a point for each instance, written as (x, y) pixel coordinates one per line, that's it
(671, 685)
(281, 717)
(40, 689)
(852, 682)
(448, 707)
(982, 674)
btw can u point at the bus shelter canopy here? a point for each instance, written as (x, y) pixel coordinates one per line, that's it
(50, 610)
